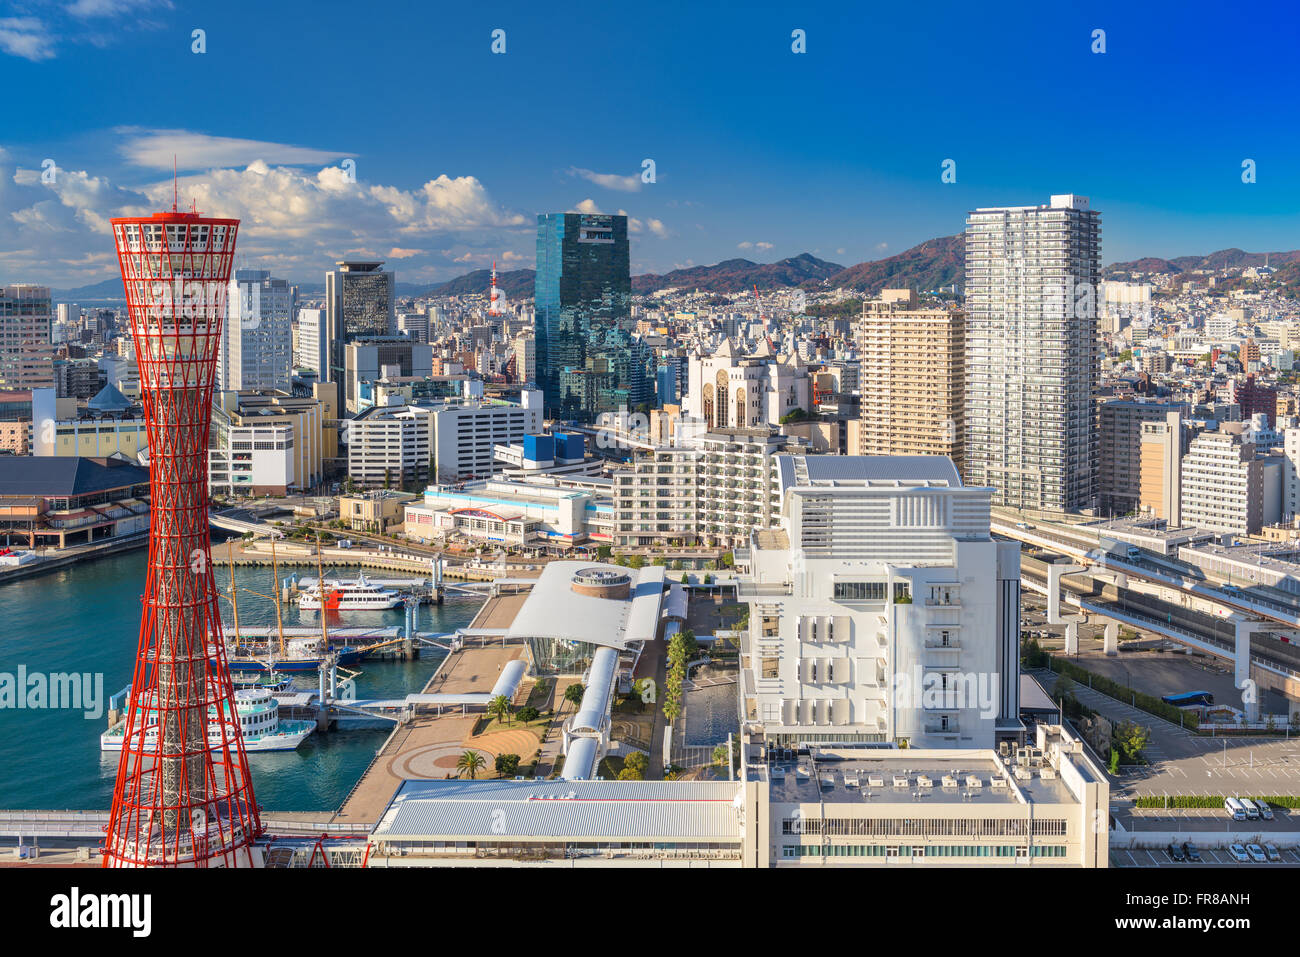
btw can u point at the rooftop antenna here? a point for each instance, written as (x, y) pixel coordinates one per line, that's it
(175, 185)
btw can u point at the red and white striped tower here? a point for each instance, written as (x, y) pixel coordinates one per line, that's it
(180, 799)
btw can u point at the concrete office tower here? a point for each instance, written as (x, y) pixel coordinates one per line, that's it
(413, 325)
(881, 610)
(1162, 445)
(360, 300)
(588, 361)
(26, 337)
(1223, 482)
(911, 379)
(312, 348)
(256, 347)
(525, 347)
(1032, 358)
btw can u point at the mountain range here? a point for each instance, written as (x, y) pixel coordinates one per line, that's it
(930, 265)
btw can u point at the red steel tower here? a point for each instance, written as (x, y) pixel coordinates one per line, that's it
(183, 796)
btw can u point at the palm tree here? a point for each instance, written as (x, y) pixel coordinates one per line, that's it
(470, 763)
(499, 707)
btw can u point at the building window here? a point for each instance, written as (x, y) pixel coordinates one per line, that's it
(859, 591)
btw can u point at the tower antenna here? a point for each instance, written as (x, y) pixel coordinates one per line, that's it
(175, 185)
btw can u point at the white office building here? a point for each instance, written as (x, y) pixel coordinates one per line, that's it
(257, 339)
(881, 610)
(312, 351)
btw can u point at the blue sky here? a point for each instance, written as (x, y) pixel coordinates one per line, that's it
(759, 152)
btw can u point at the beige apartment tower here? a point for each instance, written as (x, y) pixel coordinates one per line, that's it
(912, 378)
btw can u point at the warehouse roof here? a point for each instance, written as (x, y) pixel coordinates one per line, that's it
(497, 810)
(66, 475)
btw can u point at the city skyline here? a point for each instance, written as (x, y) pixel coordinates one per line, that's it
(799, 154)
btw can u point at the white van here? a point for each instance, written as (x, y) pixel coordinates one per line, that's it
(1235, 808)
(1252, 812)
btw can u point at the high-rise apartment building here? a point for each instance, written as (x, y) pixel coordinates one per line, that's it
(1223, 482)
(911, 378)
(1162, 443)
(26, 344)
(360, 300)
(257, 340)
(1032, 358)
(588, 361)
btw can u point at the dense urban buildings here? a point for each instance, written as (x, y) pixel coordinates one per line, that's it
(1032, 364)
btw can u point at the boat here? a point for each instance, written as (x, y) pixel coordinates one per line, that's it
(348, 594)
(270, 680)
(259, 723)
(299, 655)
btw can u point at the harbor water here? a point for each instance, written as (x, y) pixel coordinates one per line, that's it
(86, 620)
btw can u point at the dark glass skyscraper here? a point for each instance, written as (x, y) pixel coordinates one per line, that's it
(588, 362)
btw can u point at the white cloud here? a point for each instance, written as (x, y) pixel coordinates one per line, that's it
(748, 245)
(88, 9)
(587, 206)
(625, 184)
(294, 221)
(881, 247)
(154, 149)
(26, 37)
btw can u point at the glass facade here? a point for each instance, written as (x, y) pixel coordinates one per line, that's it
(588, 362)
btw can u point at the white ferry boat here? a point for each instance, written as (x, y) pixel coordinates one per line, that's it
(348, 594)
(259, 722)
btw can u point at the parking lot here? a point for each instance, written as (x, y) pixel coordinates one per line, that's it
(1213, 857)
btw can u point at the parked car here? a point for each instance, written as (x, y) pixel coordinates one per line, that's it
(1190, 852)
(1256, 853)
(1238, 853)
(1176, 852)
(1273, 853)
(1023, 525)
(1265, 811)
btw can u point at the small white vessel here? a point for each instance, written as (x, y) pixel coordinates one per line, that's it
(259, 723)
(348, 594)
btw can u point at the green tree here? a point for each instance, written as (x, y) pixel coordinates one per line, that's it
(1132, 739)
(686, 579)
(470, 763)
(573, 694)
(603, 552)
(388, 478)
(637, 561)
(1114, 760)
(634, 767)
(721, 755)
(528, 713)
(507, 765)
(499, 707)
